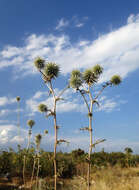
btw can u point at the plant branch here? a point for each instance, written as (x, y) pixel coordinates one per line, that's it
(100, 92)
(61, 93)
(84, 100)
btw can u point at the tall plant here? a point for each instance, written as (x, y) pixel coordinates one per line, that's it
(30, 123)
(38, 139)
(18, 114)
(49, 72)
(90, 77)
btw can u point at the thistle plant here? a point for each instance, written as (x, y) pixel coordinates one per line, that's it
(30, 123)
(38, 139)
(18, 114)
(49, 72)
(90, 77)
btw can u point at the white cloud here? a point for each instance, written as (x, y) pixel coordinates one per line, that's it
(6, 100)
(117, 51)
(79, 25)
(109, 105)
(5, 112)
(9, 138)
(62, 24)
(9, 135)
(72, 102)
(68, 104)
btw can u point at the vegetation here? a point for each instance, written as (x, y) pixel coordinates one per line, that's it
(90, 77)
(49, 72)
(107, 168)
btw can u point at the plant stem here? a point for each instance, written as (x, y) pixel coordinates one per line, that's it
(55, 146)
(33, 171)
(24, 163)
(55, 143)
(18, 118)
(91, 136)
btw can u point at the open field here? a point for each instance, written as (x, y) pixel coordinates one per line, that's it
(102, 179)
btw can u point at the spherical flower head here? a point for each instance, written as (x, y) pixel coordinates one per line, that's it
(75, 82)
(89, 77)
(51, 71)
(39, 63)
(116, 80)
(42, 108)
(97, 69)
(45, 132)
(18, 98)
(30, 123)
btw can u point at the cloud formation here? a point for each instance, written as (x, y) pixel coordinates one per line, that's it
(117, 51)
(62, 24)
(72, 102)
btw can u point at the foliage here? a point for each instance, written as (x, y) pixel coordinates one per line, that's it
(68, 164)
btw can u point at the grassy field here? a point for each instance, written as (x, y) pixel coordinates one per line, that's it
(110, 179)
(102, 179)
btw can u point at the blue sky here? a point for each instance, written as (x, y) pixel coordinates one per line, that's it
(74, 34)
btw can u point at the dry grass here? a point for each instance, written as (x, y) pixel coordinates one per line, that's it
(109, 179)
(101, 179)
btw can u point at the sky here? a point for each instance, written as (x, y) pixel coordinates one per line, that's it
(75, 35)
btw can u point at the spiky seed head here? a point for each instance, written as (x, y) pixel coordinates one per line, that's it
(45, 132)
(42, 108)
(51, 70)
(75, 82)
(38, 139)
(97, 69)
(116, 80)
(76, 73)
(30, 123)
(89, 77)
(39, 63)
(18, 98)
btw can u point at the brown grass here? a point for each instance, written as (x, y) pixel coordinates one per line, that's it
(101, 179)
(108, 179)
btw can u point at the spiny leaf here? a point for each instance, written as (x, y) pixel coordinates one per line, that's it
(85, 129)
(96, 102)
(62, 141)
(98, 141)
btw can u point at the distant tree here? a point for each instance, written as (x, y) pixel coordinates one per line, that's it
(90, 77)
(128, 150)
(50, 71)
